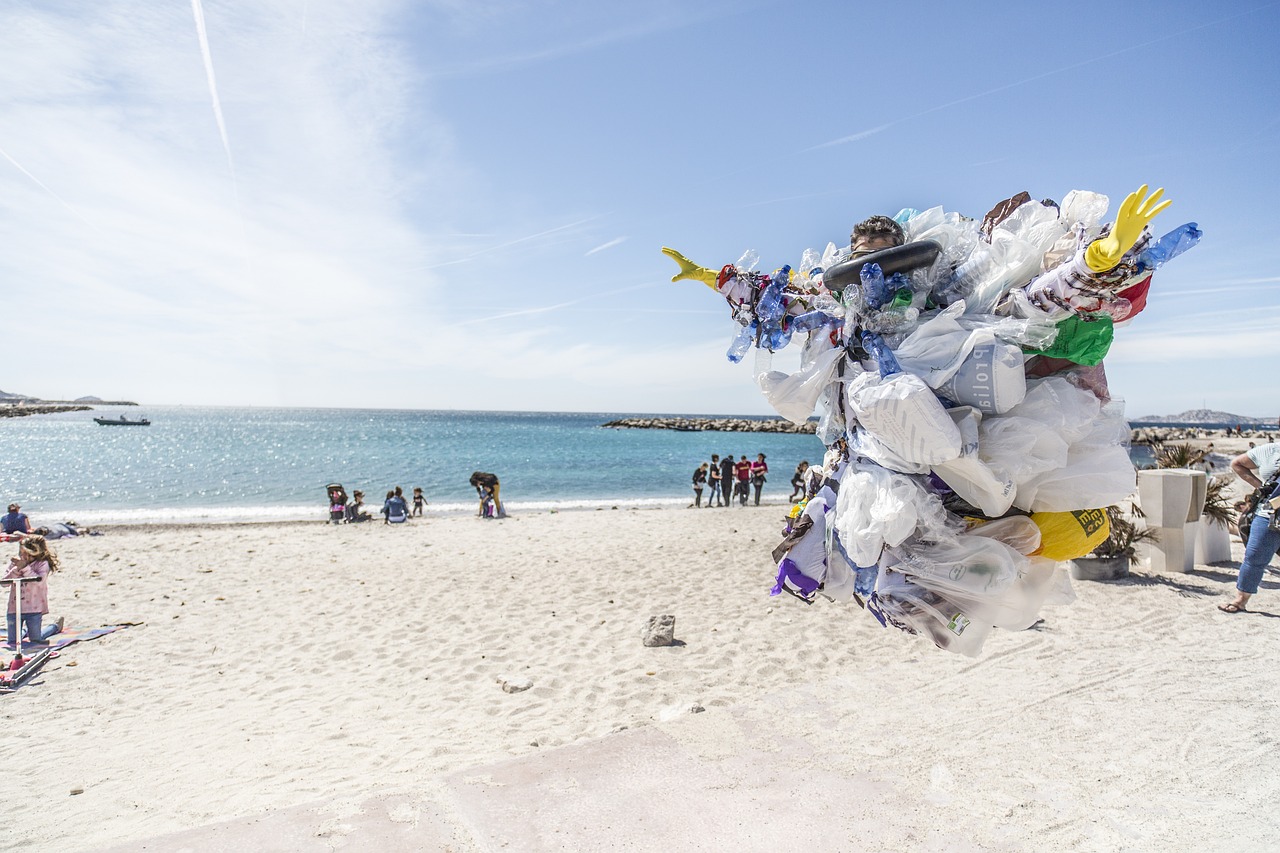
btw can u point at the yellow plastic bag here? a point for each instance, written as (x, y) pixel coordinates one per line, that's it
(1068, 535)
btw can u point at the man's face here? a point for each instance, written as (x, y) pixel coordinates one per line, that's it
(872, 243)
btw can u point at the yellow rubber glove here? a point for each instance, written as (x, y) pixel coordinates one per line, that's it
(1134, 215)
(690, 270)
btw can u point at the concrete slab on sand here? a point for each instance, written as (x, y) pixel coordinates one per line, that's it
(724, 780)
(386, 823)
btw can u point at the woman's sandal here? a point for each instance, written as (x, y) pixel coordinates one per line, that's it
(1232, 607)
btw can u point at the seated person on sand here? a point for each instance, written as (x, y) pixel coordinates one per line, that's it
(15, 523)
(394, 509)
(355, 509)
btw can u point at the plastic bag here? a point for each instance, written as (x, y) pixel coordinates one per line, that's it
(970, 477)
(902, 412)
(1097, 470)
(1068, 535)
(877, 507)
(992, 378)
(970, 564)
(1017, 607)
(1019, 532)
(921, 611)
(794, 395)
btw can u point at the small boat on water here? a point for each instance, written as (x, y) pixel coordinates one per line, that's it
(122, 421)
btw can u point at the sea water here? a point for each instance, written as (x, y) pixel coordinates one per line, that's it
(197, 464)
(205, 464)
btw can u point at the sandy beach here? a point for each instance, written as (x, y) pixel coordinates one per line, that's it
(286, 664)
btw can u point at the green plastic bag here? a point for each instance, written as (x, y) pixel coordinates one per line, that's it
(1084, 340)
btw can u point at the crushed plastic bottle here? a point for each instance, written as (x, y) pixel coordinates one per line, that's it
(815, 320)
(749, 261)
(1170, 246)
(742, 342)
(877, 290)
(879, 350)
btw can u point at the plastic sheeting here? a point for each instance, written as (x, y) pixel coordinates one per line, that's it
(944, 431)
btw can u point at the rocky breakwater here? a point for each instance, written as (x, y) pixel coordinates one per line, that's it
(1169, 435)
(713, 425)
(20, 411)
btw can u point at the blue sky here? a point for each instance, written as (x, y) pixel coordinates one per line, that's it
(461, 204)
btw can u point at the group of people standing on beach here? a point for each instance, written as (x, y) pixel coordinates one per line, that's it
(728, 480)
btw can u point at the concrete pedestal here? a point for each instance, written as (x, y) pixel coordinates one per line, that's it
(1213, 542)
(1172, 500)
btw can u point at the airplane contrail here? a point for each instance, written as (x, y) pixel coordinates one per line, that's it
(42, 186)
(198, 11)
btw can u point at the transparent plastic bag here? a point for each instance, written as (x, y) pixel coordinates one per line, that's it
(970, 477)
(1015, 608)
(1020, 449)
(1097, 470)
(1019, 532)
(794, 395)
(913, 608)
(877, 507)
(975, 565)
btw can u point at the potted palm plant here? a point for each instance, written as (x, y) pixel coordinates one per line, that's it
(1111, 559)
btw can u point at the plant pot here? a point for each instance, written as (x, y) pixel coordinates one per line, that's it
(1100, 568)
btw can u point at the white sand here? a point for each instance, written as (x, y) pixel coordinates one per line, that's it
(284, 664)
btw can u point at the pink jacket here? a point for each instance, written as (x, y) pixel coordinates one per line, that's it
(35, 596)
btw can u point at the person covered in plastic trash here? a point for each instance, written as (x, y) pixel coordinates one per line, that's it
(483, 482)
(956, 366)
(1256, 467)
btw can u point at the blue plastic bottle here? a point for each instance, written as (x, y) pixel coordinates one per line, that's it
(742, 342)
(1170, 246)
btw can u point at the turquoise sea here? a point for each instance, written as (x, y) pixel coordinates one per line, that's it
(196, 464)
(205, 464)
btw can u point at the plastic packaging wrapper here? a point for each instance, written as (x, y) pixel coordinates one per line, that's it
(971, 435)
(917, 610)
(1068, 535)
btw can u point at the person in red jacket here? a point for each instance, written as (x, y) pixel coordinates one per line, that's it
(742, 478)
(758, 469)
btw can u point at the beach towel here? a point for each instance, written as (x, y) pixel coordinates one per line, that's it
(70, 635)
(38, 658)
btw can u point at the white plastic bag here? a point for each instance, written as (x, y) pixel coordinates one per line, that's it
(878, 507)
(902, 412)
(1097, 470)
(964, 363)
(794, 395)
(968, 475)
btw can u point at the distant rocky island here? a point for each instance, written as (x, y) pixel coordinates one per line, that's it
(1202, 416)
(714, 424)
